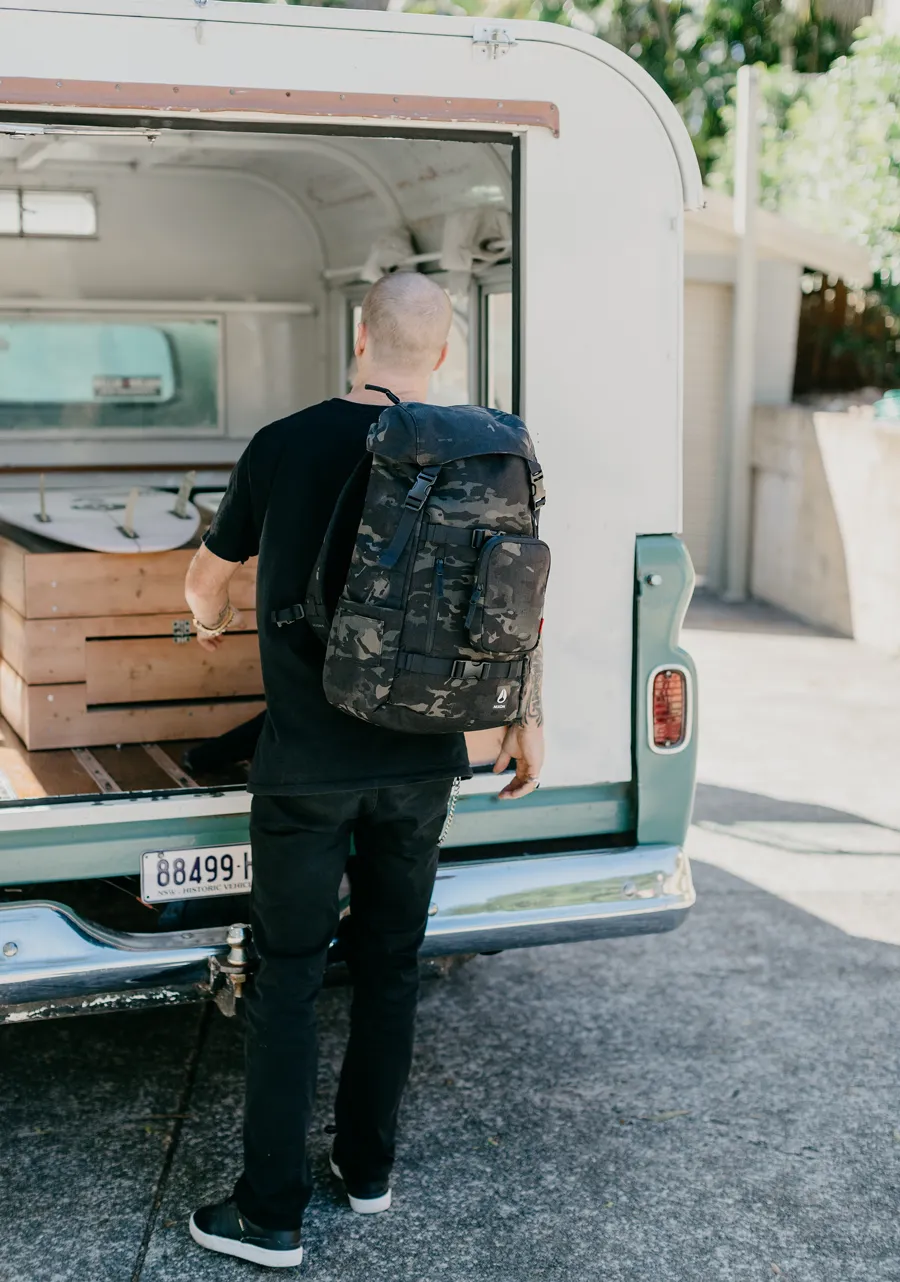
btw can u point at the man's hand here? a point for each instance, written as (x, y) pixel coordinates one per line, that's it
(524, 740)
(525, 743)
(206, 592)
(212, 643)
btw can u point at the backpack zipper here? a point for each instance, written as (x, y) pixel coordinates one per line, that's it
(474, 602)
(437, 593)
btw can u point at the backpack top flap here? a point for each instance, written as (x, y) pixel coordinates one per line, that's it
(431, 435)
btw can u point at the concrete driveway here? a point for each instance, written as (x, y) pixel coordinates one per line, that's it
(722, 1103)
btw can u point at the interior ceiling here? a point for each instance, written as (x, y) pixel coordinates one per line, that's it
(354, 189)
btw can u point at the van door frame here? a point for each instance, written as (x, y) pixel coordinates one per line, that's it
(196, 803)
(498, 280)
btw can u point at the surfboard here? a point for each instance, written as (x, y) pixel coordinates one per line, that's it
(209, 501)
(101, 520)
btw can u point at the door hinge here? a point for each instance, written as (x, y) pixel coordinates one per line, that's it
(491, 40)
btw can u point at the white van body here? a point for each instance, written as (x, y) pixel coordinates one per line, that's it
(243, 161)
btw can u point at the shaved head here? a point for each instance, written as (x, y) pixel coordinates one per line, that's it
(407, 319)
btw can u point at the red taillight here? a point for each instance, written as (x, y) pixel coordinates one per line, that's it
(669, 698)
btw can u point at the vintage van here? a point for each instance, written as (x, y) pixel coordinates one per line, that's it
(192, 198)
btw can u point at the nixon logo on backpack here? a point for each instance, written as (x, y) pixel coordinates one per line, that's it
(444, 598)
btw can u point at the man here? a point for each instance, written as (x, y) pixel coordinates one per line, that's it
(320, 777)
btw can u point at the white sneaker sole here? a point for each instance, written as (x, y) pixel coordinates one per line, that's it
(362, 1205)
(244, 1251)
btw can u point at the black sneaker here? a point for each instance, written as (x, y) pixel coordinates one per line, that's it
(367, 1199)
(224, 1228)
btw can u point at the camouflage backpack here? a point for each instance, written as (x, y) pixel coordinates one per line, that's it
(444, 598)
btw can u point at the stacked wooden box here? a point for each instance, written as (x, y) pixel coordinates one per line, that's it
(93, 649)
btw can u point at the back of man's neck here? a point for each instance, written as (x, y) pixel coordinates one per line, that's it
(405, 389)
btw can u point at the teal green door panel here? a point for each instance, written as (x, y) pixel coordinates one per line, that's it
(89, 850)
(86, 849)
(664, 781)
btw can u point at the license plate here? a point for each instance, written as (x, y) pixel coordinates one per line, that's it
(193, 874)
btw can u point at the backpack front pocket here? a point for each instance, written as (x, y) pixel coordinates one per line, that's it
(361, 656)
(507, 603)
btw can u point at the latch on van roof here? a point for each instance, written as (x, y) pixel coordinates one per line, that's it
(491, 40)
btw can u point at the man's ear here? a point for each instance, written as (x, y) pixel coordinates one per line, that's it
(443, 356)
(362, 337)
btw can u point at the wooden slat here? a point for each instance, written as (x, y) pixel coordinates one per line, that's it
(56, 583)
(73, 584)
(151, 669)
(58, 716)
(48, 651)
(13, 644)
(12, 574)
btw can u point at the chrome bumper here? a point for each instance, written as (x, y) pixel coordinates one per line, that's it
(54, 963)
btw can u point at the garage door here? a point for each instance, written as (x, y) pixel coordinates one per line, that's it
(707, 353)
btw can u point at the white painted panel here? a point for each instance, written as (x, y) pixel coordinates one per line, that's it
(602, 395)
(168, 235)
(602, 259)
(707, 346)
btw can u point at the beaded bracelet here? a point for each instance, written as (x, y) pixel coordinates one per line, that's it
(222, 626)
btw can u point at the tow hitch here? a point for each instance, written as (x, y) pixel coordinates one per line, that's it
(228, 974)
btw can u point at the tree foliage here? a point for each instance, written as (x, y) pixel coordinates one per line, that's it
(693, 48)
(830, 159)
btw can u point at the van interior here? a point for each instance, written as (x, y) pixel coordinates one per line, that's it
(167, 288)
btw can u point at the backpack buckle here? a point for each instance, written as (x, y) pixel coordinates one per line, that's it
(467, 668)
(293, 613)
(419, 491)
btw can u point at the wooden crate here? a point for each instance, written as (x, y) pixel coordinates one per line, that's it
(90, 654)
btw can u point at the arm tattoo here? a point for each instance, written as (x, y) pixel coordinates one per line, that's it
(533, 707)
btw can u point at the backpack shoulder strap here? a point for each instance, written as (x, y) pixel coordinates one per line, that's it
(415, 500)
(317, 610)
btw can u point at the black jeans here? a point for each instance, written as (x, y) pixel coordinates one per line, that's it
(300, 849)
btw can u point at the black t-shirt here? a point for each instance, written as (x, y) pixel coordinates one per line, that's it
(279, 502)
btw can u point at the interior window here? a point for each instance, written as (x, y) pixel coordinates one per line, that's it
(80, 374)
(34, 212)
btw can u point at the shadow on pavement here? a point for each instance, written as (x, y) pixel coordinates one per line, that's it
(714, 804)
(708, 613)
(716, 1103)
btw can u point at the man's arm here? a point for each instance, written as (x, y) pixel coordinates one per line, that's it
(206, 592)
(232, 539)
(524, 740)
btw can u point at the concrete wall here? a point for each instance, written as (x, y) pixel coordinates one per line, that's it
(708, 306)
(826, 520)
